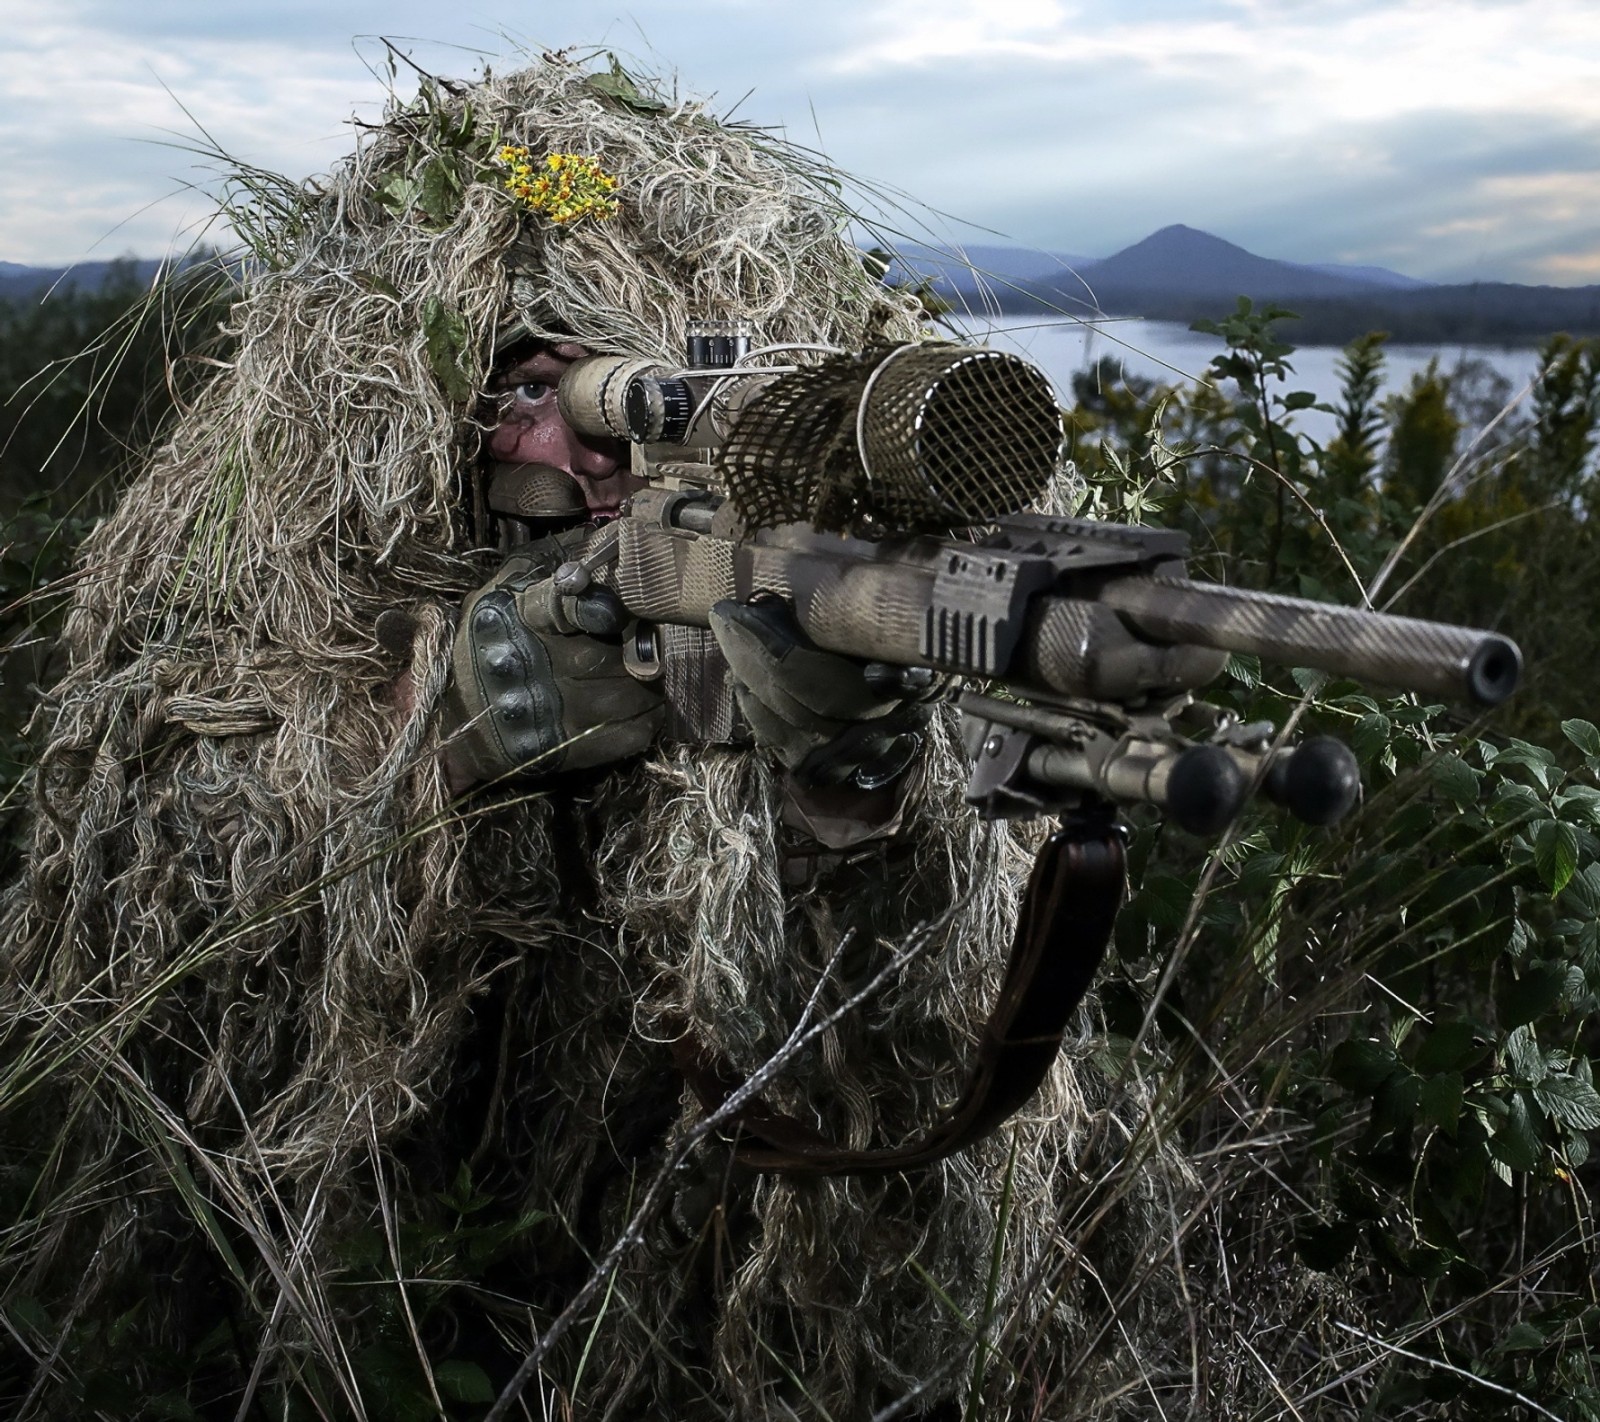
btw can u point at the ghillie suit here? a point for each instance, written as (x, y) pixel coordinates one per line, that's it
(323, 1091)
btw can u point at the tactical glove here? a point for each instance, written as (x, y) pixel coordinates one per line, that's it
(831, 720)
(539, 683)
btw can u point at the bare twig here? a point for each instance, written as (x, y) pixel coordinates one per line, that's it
(1450, 1368)
(804, 1033)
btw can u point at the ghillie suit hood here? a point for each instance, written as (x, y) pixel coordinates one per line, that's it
(326, 1089)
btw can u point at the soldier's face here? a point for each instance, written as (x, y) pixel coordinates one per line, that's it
(531, 431)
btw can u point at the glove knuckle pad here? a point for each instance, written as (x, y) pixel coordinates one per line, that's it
(515, 680)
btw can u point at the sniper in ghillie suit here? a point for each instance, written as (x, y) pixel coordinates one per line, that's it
(592, 772)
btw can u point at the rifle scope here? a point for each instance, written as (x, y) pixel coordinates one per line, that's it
(922, 436)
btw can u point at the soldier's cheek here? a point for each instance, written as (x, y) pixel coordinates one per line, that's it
(507, 442)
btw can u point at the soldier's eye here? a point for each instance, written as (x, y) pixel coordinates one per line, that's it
(533, 390)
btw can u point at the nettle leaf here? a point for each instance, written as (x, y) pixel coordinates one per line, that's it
(1516, 1143)
(1519, 940)
(1440, 1102)
(1245, 667)
(1535, 992)
(1583, 892)
(461, 1381)
(1309, 680)
(1371, 735)
(1522, 1337)
(622, 87)
(29, 1312)
(1574, 1103)
(1299, 400)
(1357, 701)
(1515, 801)
(1450, 1046)
(1457, 888)
(446, 336)
(1575, 985)
(1535, 759)
(1258, 874)
(440, 192)
(1458, 780)
(1395, 1104)
(1362, 1066)
(1524, 1060)
(1583, 734)
(396, 191)
(1164, 900)
(1555, 853)
(1580, 799)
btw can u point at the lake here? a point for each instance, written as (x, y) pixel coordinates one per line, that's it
(1166, 350)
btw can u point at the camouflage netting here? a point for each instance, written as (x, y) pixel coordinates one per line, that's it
(285, 1026)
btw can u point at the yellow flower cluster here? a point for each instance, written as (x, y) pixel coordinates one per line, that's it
(569, 187)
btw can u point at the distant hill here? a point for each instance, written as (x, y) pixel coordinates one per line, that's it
(1182, 274)
(1372, 276)
(985, 278)
(22, 283)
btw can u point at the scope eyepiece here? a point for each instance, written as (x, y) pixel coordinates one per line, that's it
(593, 396)
(619, 397)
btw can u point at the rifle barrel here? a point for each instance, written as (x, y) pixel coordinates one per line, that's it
(1435, 658)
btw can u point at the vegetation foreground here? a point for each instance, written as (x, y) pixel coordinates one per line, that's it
(1374, 1042)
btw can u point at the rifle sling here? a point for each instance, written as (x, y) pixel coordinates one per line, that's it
(1073, 895)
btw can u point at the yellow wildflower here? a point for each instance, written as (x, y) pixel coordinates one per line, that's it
(573, 185)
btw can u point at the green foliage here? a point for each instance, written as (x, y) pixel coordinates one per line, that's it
(447, 152)
(409, 1288)
(1423, 434)
(1352, 454)
(1413, 995)
(625, 89)
(87, 380)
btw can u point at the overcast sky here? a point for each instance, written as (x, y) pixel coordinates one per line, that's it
(1448, 139)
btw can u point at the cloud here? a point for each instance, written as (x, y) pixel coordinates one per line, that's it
(1563, 268)
(1460, 226)
(1554, 198)
(1347, 129)
(1305, 65)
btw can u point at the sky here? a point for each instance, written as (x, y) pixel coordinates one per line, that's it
(1447, 139)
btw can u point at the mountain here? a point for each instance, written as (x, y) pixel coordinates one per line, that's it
(1176, 274)
(1184, 261)
(1178, 262)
